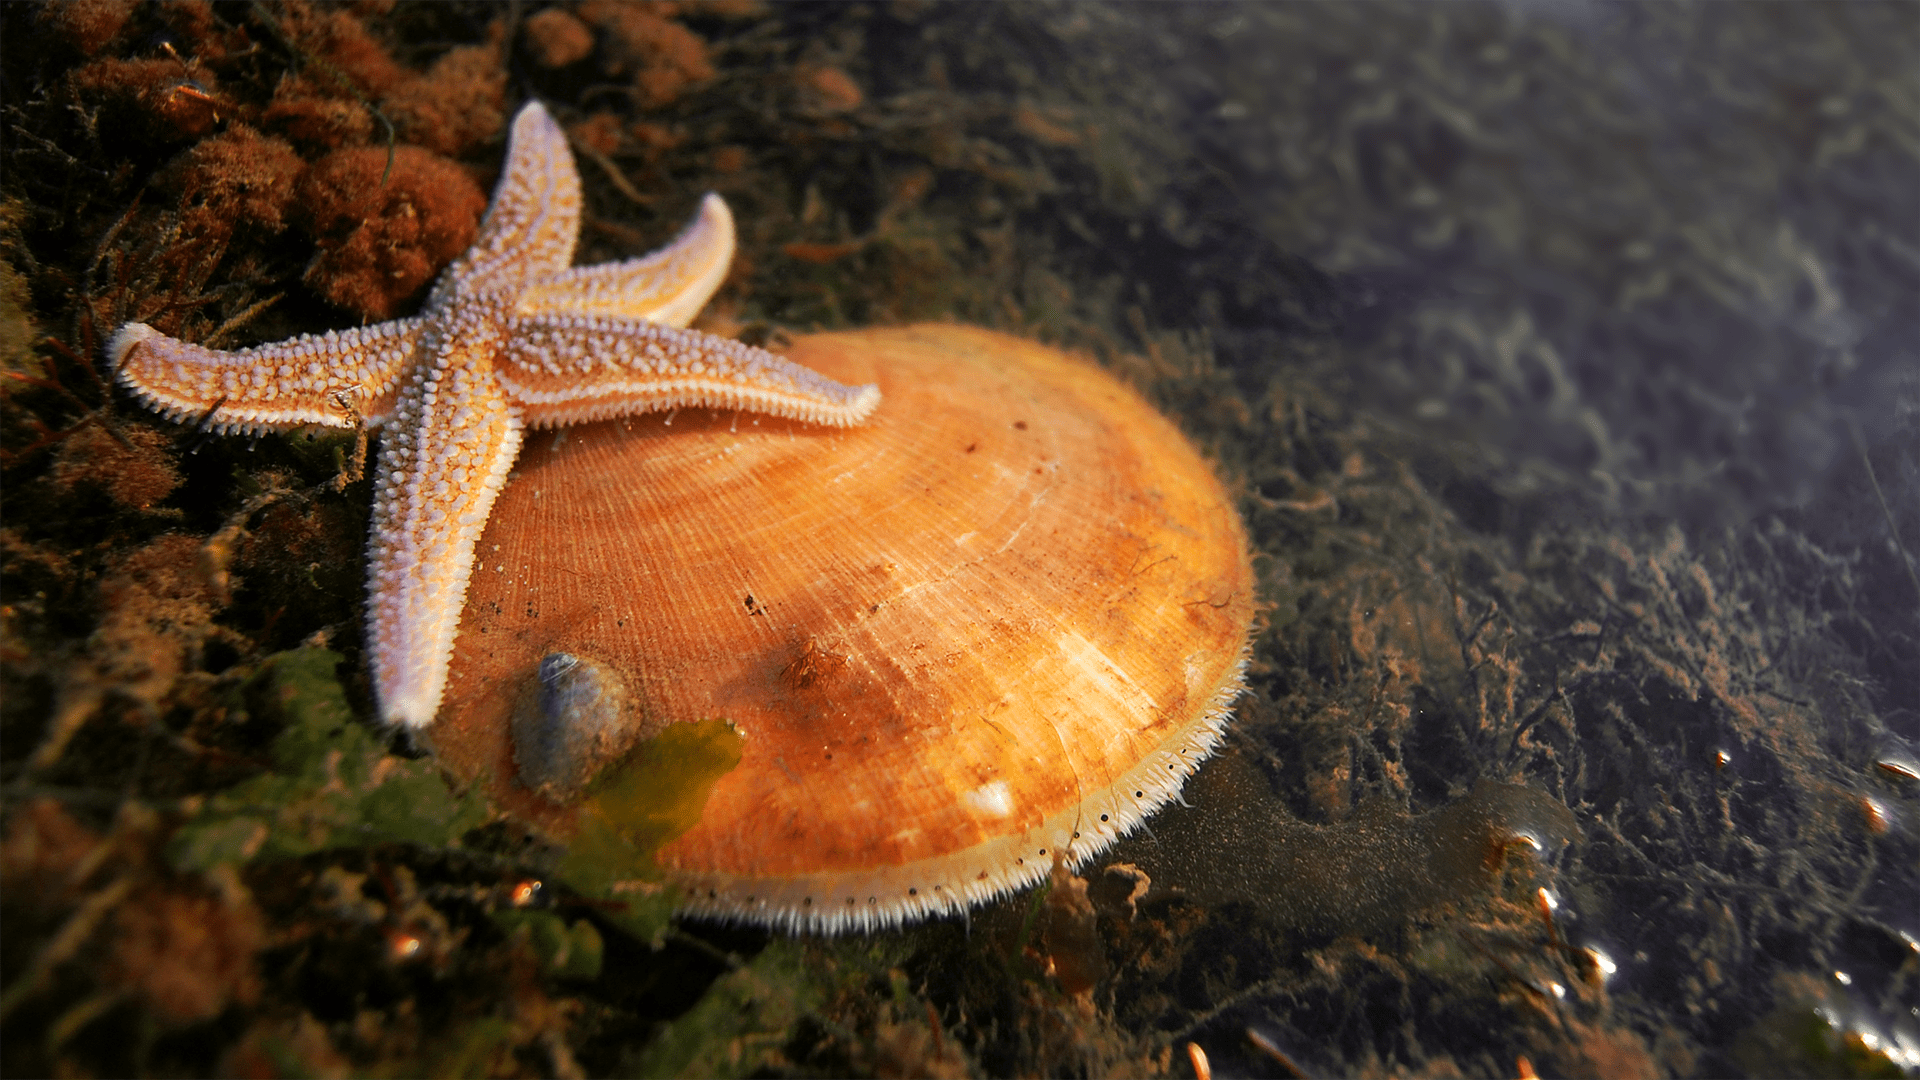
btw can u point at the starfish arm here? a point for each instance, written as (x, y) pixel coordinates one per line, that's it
(335, 379)
(443, 460)
(534, 218)
(567, 370)
(669, 286)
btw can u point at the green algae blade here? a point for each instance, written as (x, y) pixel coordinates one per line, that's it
(646, 800)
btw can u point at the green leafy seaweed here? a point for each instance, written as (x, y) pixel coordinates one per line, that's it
(332, 783)
(646, 800)
(742, 1021)
(571, 950)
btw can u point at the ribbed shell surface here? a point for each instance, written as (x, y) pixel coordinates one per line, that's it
(1003, 618)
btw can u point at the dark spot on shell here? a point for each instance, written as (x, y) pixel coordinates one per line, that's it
(812, 666)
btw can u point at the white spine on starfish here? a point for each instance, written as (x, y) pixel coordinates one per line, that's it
(442, 464)
(563, 369)
(668, 287)
(277, 387)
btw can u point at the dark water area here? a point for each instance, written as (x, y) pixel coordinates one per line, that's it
(1563, 359)
(1611, 278)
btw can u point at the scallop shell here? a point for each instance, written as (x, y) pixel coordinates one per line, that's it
(1003, 619)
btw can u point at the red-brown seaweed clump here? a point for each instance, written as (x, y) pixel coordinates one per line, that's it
(453, 106)
(381, 243)
(87, 25)
(660, 55)
(557, 38)
(238, 177)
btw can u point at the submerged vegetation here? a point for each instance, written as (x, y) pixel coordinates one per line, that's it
(1562, 362)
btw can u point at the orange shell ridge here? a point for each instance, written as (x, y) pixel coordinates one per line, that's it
(1004, 618)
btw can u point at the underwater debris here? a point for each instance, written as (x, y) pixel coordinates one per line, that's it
(1069, 934)
(1372, 871)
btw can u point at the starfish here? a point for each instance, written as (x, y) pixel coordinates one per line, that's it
(510, 338)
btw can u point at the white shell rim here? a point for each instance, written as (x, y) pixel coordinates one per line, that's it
(867, 900)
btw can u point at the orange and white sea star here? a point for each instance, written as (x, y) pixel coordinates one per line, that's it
(509, 338)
